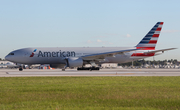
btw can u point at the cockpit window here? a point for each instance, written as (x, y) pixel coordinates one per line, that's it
(11, 53)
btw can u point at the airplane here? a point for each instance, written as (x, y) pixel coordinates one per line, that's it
(11, 65)
(63, 57)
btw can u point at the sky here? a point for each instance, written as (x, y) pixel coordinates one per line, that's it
(88, 23)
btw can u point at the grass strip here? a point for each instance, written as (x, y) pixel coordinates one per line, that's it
(91, 93)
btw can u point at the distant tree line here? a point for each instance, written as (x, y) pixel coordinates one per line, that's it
(143, 62)
(2, 59)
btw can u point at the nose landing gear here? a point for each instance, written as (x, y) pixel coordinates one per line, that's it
(20, 68)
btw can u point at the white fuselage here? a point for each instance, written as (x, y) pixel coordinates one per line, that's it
(56, 55)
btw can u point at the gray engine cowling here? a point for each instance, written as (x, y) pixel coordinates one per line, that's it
(74, 62)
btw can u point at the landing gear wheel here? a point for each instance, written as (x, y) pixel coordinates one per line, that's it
(88, 68)
(95, 68)
(20, 68)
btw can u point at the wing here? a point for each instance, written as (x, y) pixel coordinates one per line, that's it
(162, 50)
(100, 56)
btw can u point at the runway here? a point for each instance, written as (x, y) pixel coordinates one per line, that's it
(102, 72)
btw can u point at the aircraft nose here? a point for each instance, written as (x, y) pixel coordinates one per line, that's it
(10, 56)
(7, 57)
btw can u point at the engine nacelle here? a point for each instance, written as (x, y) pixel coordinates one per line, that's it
(74, 62)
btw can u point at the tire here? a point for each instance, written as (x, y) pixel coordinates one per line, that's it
(20, 69)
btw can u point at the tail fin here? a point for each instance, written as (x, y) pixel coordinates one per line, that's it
(150, 40)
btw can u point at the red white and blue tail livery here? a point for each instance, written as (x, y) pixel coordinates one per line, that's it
(148, 44)
(151, 38)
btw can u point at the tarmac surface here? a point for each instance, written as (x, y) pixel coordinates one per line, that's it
(102, 72)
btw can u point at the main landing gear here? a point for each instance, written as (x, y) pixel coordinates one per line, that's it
(88, 68)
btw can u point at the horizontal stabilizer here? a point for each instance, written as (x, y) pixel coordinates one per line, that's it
(162, 50)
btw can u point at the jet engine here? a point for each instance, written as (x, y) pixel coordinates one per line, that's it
(70, 62)
(74, 62)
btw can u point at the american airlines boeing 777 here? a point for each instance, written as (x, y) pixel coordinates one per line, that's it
(62, 57)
